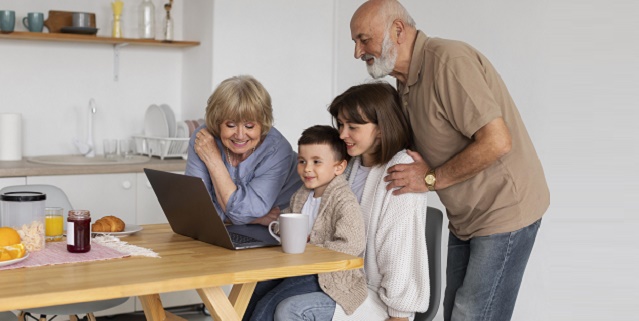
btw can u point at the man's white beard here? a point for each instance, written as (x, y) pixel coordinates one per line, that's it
(384, 65)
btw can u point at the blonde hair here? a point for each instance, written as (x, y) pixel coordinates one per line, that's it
(239, 98)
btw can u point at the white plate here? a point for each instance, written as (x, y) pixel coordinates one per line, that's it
(182, 130)
(170, 118)
(155, 122)
(128, 230)
(14, 261)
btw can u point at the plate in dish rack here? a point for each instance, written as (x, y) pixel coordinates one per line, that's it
(182, 130)
(170, 119)
(155, 122)
(14, 261)
(128, 230)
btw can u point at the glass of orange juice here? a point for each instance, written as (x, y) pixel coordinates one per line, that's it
(53, 224)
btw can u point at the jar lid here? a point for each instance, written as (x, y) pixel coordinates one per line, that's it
(23, 196)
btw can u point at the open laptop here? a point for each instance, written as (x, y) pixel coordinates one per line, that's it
(190, 211)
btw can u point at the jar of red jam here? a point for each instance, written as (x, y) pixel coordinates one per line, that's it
(79, 231)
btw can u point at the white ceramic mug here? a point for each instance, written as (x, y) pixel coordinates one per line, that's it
(293, 230)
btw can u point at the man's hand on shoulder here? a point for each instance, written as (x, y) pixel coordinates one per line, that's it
(408, 178)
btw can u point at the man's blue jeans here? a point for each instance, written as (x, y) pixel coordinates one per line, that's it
(483, 274)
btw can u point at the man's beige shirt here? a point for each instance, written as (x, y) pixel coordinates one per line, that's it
(451, 92)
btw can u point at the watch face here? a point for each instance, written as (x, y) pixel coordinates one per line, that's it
(430, 179)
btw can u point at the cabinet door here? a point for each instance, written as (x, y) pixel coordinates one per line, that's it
(102, 194)
(148, 208)
(10, 181)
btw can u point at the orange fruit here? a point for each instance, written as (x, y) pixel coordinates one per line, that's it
(9, 236)
(15, 251)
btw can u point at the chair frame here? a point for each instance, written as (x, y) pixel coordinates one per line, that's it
(434, 221)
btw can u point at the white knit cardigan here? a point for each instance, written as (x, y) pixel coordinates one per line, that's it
(396, 261)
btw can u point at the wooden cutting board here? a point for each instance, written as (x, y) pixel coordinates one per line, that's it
(59, 19)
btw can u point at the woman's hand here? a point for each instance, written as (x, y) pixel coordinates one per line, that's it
(206, 148)
(271, 216)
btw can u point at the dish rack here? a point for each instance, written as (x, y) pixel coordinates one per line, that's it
(161, 146)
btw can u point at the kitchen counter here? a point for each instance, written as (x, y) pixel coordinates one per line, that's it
(26, 168)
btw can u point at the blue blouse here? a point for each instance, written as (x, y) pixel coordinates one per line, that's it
(267, 178)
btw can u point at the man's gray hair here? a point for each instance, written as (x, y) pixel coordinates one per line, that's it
(393, 10)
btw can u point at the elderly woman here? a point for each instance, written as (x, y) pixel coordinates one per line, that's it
(248, 167)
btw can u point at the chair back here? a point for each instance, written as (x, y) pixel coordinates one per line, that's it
(434, 219)
(55, 196)
(8, 316)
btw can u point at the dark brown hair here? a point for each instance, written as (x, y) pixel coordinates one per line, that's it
(322, 134)
(377, 103)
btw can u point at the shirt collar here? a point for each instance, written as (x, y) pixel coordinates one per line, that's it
(417, 59)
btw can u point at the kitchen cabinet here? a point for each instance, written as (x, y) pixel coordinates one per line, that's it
(102, 194)
(148, 208)
(10, 181)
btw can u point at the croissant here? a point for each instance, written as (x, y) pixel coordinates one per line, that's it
(108, 224)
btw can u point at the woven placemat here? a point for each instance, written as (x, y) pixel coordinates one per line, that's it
(102, 248)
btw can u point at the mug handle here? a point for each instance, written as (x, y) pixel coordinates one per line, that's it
(270, 230)
(25, 23)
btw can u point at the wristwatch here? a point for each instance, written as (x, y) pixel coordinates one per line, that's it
(430, 180)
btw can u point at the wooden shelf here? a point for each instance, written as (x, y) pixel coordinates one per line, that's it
(68, 37)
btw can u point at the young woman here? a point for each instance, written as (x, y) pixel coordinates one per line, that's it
(372, 125)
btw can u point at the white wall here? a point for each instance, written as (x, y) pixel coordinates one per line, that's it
(286, 45)
(51, 83)
(570, 65)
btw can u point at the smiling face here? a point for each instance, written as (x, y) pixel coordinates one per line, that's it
(240, 137)
(373, 43)
(360, 139)
(317, 166)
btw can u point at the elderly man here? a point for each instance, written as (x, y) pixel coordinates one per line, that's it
(477, 156)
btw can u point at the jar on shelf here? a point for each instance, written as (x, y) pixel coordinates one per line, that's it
(24, 212)
(168, 24)
(79, 231)
(146, 20)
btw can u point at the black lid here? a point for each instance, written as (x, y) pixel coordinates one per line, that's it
(23, 196)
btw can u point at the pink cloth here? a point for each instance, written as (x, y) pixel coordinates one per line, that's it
(56, 253)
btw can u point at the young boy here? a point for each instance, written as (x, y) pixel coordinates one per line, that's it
(335, 223)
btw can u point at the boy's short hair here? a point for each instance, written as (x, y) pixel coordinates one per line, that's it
(322, 134)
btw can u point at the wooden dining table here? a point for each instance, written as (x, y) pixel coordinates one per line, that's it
(184, 264)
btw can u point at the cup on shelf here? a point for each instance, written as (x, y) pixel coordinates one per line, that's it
(110, 148)
(7, 21)
(34, 21)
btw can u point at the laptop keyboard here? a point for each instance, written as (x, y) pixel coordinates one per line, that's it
(242, 239)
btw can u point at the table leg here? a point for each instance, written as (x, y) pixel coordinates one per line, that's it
(154, 311)
(240, 296)
(229, 308)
